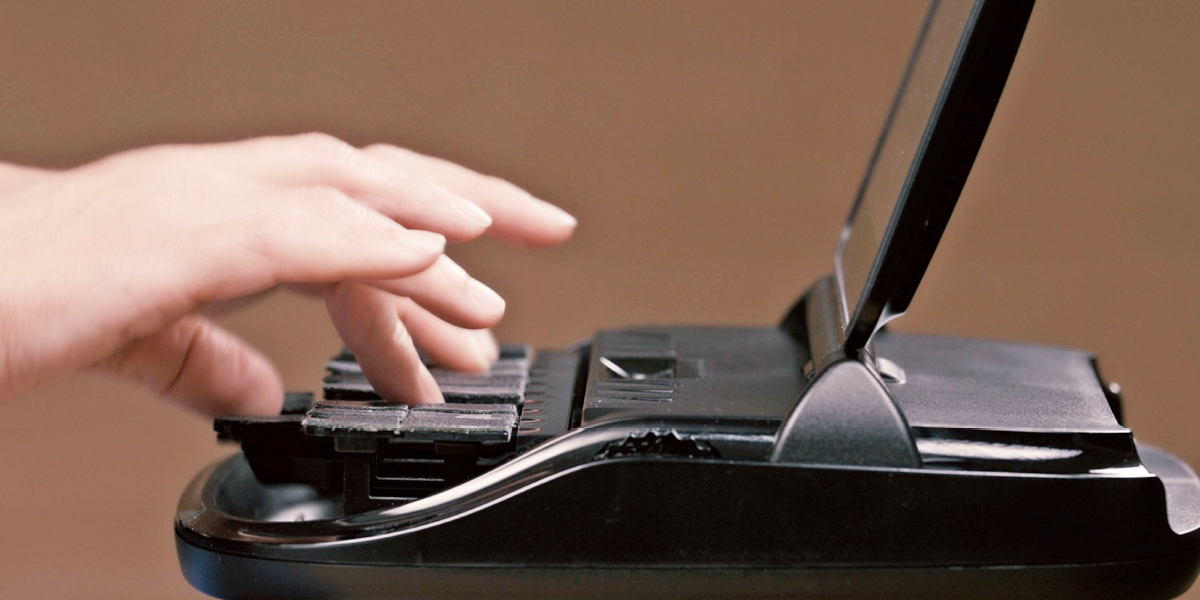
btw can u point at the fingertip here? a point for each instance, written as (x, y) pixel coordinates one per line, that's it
(226, 376)
(203, 368)
(563, 224)
(457, 217)
(431, 393)
(449, 346)
(562, 219)
(414, 251)
(516, 216)
(474, 355)
(490, 305)
(538, 223)
(488, 346)
(369, 323)
(562, 232)
(466, 233)
(267, 405)
(424, 243)
(551, 227)
(263, 394)
(470, 211)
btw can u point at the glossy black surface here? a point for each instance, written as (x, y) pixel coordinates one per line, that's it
(694, 488)
(232, 576)
(926, 150)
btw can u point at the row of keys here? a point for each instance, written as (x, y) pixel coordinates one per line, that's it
(431, 422)
(504, 383)
(374, 453)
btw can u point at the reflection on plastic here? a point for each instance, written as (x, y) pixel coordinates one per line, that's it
(900, 147)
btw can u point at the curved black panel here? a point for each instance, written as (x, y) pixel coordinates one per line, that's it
(929, 142)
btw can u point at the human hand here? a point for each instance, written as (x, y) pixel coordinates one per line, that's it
(106, 264)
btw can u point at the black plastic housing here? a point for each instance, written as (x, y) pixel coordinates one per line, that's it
(822, 458)
(1027, 485)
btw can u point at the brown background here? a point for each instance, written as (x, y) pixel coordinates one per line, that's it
(710, 151)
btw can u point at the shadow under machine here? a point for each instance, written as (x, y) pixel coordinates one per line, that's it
(823, 457)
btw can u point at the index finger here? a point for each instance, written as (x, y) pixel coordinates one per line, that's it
(517, 216)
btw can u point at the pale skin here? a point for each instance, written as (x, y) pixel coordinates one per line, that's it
(106, 266)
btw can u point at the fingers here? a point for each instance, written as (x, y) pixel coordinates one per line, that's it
(369, 323)
(418, 191)
(448, 346)
(446, 290)
(202, 367)
(413, 200)
(305, 236)
(517, 217)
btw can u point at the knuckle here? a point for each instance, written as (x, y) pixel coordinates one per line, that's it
(389, 149)
(401, 337)
(267, 241)
(190, 333)
(189, 330)
(324, 144)
(324, 195)
(498, 184)
(336, 156)
(161, 157)
(328, 203)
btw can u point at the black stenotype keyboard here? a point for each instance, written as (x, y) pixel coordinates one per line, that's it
(823, 458)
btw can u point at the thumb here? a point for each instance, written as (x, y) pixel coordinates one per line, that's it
(202, 367)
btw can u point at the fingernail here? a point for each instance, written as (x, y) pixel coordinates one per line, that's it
(565, 217)
(431, 393)
(423, 242)
(488, 347)
(468, 210)
(485, 296)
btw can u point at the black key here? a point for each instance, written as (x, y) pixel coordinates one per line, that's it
(546, 411)
(504, 383)
(355, 418)
(296, 403)
(460, 422)
(515, 352)
(348, 387)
